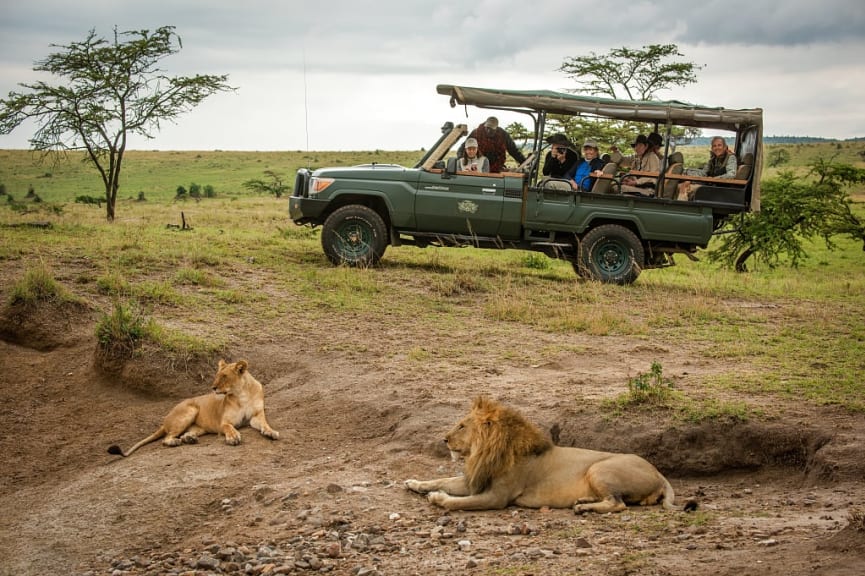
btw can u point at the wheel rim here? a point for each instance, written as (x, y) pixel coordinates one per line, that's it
(611, 257)
(354, 241)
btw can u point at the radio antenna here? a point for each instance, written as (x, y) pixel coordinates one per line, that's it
(305, 105)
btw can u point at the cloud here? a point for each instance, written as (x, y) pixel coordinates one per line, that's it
(342, 74)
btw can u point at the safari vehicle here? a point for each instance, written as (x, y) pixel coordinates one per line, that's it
(607, 236)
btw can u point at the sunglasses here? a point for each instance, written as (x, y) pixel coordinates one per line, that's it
(559, 150)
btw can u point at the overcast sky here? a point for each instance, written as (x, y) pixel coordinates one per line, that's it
(361, 75)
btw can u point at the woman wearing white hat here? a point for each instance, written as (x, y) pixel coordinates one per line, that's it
(472, 161)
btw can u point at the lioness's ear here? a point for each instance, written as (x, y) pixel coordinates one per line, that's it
(241, 366)
(221, 363)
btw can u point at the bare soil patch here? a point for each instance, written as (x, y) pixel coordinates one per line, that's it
(776, 495)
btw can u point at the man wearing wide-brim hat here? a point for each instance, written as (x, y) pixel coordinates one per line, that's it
(643, 160)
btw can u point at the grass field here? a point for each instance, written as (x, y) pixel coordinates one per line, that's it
(801, 332)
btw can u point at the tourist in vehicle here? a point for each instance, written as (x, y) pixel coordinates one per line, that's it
(471, 161)
(643, 160)
(655, 144)
(722, 163)
(588, 168)
(561, 160)
(495, 143)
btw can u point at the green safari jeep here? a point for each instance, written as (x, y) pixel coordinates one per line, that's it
(607, 235)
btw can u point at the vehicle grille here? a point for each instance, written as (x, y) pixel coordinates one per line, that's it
(301, 183)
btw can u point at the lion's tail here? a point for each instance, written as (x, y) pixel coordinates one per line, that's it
(670, 496)
(115, 449)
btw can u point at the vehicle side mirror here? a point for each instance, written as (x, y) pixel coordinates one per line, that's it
(450, 168)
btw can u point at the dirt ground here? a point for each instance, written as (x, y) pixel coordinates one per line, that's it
(776, 496)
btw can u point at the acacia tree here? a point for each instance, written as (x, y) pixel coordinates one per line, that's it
(628, 74)
(107, 91)
(794, 209)
(274, 185)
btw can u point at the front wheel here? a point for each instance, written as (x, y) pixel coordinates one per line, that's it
(354, 235)
(610, 253)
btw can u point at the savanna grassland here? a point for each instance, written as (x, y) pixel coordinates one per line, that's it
(744, 389)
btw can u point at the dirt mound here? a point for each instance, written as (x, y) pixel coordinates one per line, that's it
(46, 325)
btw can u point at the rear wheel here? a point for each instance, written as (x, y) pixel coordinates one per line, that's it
(354, 235)
(610, 253)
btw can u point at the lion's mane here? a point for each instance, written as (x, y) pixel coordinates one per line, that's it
(499, 438)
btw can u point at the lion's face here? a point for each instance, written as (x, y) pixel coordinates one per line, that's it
(459, 439)
(229, 376)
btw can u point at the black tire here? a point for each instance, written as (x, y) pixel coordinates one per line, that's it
(354, 235)
(610, 253)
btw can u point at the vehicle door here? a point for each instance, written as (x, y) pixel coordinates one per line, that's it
(549, 204)
(459, 203)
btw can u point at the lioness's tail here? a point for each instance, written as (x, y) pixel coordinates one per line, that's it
(115, 449)
(669, 497)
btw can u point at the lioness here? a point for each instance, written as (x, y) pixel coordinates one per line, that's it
(237, 399)
(509, 461)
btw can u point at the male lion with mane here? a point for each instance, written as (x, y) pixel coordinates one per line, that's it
(237, 399)
(509, 461)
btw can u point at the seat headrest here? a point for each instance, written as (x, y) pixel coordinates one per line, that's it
(748, 159)
(676, 158)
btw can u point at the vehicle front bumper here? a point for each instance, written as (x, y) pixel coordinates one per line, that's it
(306, 210)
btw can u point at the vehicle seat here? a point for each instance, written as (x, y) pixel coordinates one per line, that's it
(676, 166)
(604, 185)
(744, 170)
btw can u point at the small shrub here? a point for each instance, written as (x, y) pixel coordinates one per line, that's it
(31, 192)
(2, 189)
(85, 199)
(141, 197)
(180, 193)
(650, 388)
(112, 284)
(209, 192)
(536, 261)
(194, 190)
(37, 285)
(121, 332)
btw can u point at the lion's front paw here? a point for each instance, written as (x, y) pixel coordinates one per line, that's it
(415, 486)
(272, 434)
(232, 439)
(438, 497)
(189, 439)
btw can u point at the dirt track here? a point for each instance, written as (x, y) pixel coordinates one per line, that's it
(355, 422)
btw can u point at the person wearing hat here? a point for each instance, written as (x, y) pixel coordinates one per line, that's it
(561, 159)
(495, 143)
(655, 143)
(643, 160)
(590, 164)
(471, 161)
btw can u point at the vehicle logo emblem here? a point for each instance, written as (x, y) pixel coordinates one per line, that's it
(467, 206)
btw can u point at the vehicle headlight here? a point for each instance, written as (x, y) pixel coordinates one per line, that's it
(317, 185)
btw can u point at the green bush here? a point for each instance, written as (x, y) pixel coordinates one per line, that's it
(121, 332)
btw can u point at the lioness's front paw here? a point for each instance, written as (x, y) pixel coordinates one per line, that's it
(233, 439)
(189, 439)
(414, 486)
(272, 434)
